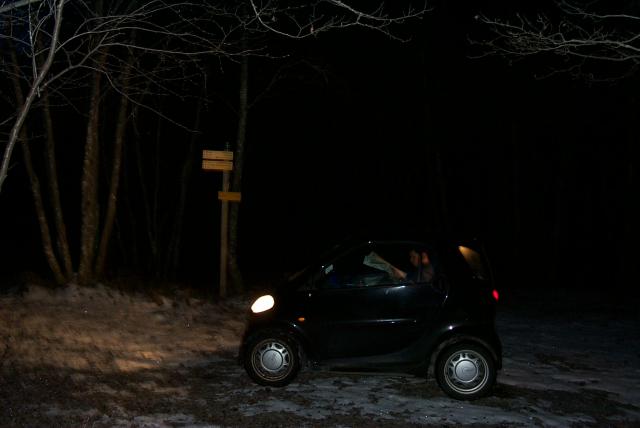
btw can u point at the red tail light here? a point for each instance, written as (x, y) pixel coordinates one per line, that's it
(496, 295)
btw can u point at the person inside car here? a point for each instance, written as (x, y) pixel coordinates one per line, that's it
(422, 269)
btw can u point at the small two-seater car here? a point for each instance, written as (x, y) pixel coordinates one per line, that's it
(390, 306)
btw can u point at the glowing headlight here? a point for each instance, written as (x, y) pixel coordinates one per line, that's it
(262, 304)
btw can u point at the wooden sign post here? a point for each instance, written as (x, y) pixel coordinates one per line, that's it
(222, 160)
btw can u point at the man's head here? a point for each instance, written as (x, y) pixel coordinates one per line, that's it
(419, 258)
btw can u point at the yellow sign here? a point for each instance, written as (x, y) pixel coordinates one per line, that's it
(223, 155)
(229, 196)
(217, 165)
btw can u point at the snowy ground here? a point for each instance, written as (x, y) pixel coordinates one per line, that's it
(95, 357)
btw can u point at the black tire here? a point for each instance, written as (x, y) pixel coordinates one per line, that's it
(465, 371)
(272, 358)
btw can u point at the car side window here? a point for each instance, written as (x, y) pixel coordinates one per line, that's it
(369, 266)
(352, 271)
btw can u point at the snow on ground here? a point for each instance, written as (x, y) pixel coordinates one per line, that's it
(96, 357)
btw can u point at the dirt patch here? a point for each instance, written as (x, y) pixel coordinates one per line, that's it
(103, 359)
(600, 405)
(562, 363)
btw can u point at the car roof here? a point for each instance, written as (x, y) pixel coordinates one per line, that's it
(435, 239)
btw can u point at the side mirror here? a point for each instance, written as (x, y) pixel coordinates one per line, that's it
(312, 280)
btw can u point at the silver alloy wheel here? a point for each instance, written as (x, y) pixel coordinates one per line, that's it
(466, 371)
(271, 359)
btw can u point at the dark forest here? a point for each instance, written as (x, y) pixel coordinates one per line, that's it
(423, 126)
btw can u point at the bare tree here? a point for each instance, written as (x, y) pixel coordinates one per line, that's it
(578, 35)
(177, 29)
(36, 191)
(106, 48)
(55, 13)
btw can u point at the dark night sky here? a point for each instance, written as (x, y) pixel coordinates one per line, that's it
(557, 152)
(542, 170)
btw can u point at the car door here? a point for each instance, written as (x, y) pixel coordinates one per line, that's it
(365, 309)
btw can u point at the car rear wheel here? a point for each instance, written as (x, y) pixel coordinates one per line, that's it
(272, 358)
(465, 371)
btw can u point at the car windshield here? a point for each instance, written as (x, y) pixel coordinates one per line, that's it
(325, 257)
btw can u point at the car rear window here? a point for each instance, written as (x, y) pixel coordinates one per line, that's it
(475, 262)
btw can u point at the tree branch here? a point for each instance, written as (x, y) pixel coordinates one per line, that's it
(580, 34)
(17, 4)
(24, 110)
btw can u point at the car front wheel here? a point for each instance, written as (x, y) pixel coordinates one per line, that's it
(272, 359)
(465, 371)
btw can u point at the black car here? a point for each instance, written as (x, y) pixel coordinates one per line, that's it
(391, 306)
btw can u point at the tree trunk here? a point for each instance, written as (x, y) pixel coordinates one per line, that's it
(62, 242)
(173, 254)
(236, 184)
(115, 173)
(131, 255)
(41, 214)
(89, 196)
(146, 204)
(89, 182)
(515, 186)
(45, 233)
(156, 246)
(54, 190)
(628, 265)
